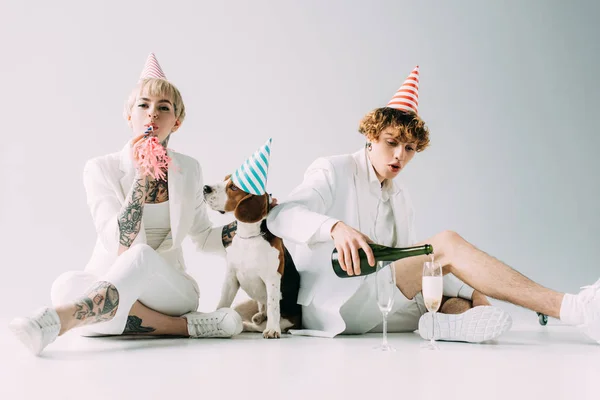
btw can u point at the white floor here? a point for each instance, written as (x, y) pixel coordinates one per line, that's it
(529, 362)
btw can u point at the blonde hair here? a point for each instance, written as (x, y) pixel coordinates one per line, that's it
(157, 87)
(408, 126)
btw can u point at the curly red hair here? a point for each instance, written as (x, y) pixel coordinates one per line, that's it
(409, 127)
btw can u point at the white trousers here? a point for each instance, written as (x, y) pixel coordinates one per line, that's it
(405, 313)
(140, 273)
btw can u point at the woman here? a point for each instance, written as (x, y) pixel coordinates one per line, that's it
(348, 200)
(135, 281)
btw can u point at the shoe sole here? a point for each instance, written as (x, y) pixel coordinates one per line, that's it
(474, 326)
(25, 330)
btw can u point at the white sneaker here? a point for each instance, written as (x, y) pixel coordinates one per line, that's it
(38, 331)
(589, 299)
(224, 322)
(475, 325)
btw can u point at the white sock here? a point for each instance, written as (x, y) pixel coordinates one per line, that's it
(571, 312)
(466, 292)
(454, 287)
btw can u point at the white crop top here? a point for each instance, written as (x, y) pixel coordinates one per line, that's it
(157, 223)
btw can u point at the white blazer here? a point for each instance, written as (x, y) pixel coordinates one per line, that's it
(334, 188)
(108, 180)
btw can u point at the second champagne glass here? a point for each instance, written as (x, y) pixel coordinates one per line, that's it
(433, 288)
(386, 289)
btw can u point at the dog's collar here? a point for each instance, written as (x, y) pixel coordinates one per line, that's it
(250, 237)
(269, 199)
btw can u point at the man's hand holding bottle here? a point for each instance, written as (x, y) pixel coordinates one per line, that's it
(347, 242)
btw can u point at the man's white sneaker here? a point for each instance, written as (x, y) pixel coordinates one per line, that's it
(38, 331)
(589, 300)
(224, 322)
(475, 325)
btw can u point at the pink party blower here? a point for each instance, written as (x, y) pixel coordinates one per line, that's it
(152, 157)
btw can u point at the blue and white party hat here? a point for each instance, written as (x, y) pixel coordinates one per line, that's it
(251, 176)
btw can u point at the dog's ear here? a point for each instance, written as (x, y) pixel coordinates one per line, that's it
(227, 178)
(251, 208)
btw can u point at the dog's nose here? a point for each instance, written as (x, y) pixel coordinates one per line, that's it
(207, 189)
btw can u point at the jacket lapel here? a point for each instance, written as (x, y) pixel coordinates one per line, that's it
(366, 200)
(127, 171)
(176, 187)
(399, 209)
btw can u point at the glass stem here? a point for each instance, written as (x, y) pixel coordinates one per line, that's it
(385, 342)
(433, 334)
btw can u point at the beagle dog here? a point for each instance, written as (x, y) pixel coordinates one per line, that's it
(258, 262)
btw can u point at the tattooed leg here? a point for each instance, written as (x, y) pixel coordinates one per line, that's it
(144, 320)
(98, 305)
(228, 233)
(141, 319)
(134, 325)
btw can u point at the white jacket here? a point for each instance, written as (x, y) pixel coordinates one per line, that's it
(334, 188)
(108, 180)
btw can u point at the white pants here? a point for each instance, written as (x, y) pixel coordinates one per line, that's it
(140, 273)
(404, 316)
(405, 313)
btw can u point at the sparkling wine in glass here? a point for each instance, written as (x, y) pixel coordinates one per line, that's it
(386, 289)
(433, 288)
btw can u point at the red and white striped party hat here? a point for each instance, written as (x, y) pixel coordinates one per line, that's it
(152, 69)
(407, 97)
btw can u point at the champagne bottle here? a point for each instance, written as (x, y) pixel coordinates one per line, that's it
(381, 253)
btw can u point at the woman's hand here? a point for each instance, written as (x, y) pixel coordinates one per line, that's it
(347, 242)
(136, 143)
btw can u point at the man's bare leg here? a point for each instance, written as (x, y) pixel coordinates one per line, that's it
(481, 271)
(455, 305)
(479, 299)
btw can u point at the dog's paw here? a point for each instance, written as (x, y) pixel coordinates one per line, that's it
(271, 334)
(259, 318)
(248, 326)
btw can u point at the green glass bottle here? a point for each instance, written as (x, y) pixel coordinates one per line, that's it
(381, 253)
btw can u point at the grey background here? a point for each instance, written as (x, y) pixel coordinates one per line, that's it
(508, 88)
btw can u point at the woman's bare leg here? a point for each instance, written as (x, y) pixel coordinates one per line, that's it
(101, 304)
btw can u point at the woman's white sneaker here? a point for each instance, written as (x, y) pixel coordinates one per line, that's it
(224, 322)
(475, 325)
(38, 331)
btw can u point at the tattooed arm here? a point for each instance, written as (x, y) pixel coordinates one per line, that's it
(104, 204)
(228, 233)
(130, 217)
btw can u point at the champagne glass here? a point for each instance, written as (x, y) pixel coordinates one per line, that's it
(433, 288)
(386, 289)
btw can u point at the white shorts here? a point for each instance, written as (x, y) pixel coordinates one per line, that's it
(404, 316)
